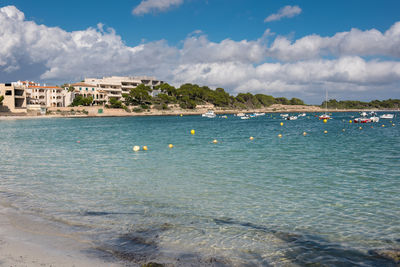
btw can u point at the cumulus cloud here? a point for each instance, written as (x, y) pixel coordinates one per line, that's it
(355, 42)
(346, 63)
(284, 12)
(147, 6)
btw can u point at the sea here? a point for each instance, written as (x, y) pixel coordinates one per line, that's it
(304, 193)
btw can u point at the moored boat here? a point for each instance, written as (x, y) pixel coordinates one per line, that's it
(291, 118)
(325, 116)
(362, 120)
(387, 116)
(209, 114)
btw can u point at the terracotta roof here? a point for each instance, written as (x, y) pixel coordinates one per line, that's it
(45, 87)
(83, 84)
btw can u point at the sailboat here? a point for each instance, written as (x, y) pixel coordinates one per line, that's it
(325, 116)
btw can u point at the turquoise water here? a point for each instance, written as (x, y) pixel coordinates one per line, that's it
(331, 198)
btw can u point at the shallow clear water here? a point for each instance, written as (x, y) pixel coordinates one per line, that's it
(329, 198)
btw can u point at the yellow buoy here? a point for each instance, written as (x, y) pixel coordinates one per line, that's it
(325, 120)
(350, 121)
(136, 148)
(383, 125)
(192, 132)
(344, 130)
(325, 131)
(145, 148)
(304, 133)
(251, 138)
(360, 128)
(181, 115)
(170, 145)
(215, 141)
(279, 135)
(281, 123)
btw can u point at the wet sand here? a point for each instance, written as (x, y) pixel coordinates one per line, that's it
(27, 242)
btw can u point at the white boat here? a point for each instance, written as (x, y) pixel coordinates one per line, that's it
(245, 117)
(374, 119)
(241, 114)
(302, 115)
(256, 114)
(387, 116)
(284, 115)
(365, 119)
(224, 116)
(209, 114)
(291, 118)
(325, 116)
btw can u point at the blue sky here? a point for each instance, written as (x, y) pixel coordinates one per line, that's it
(349, 47)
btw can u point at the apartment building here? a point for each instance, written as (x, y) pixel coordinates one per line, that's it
(89, 90)
(115, 86)
(49, 96)
(14, 97)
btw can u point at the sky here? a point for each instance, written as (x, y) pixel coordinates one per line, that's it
(282, 48)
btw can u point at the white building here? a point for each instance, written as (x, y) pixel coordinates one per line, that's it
(89, 90)
(49, 96)
(115, 86)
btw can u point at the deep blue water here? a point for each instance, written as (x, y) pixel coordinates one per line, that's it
(328, 198)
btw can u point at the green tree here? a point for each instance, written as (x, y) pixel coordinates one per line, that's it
(282, 100)
(115, 103)
(265, 100)
(167, 89)
(81, 101)
(138, 96)
(1, 99)
(296, 101)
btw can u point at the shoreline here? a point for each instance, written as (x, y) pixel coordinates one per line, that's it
(93, 111)
(26, 241)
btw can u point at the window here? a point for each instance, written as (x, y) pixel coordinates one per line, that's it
(86, 88)
(92, 89)
(80, 88)
(8, 92)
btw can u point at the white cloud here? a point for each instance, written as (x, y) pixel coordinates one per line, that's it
(147, 6)
(346, 63)
(285, 12)
(355, 42)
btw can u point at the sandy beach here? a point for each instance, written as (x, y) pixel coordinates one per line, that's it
(25, 241)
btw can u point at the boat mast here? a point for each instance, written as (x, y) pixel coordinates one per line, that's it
(326, 100)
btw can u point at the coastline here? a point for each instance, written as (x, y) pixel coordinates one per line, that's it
(93, 111)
